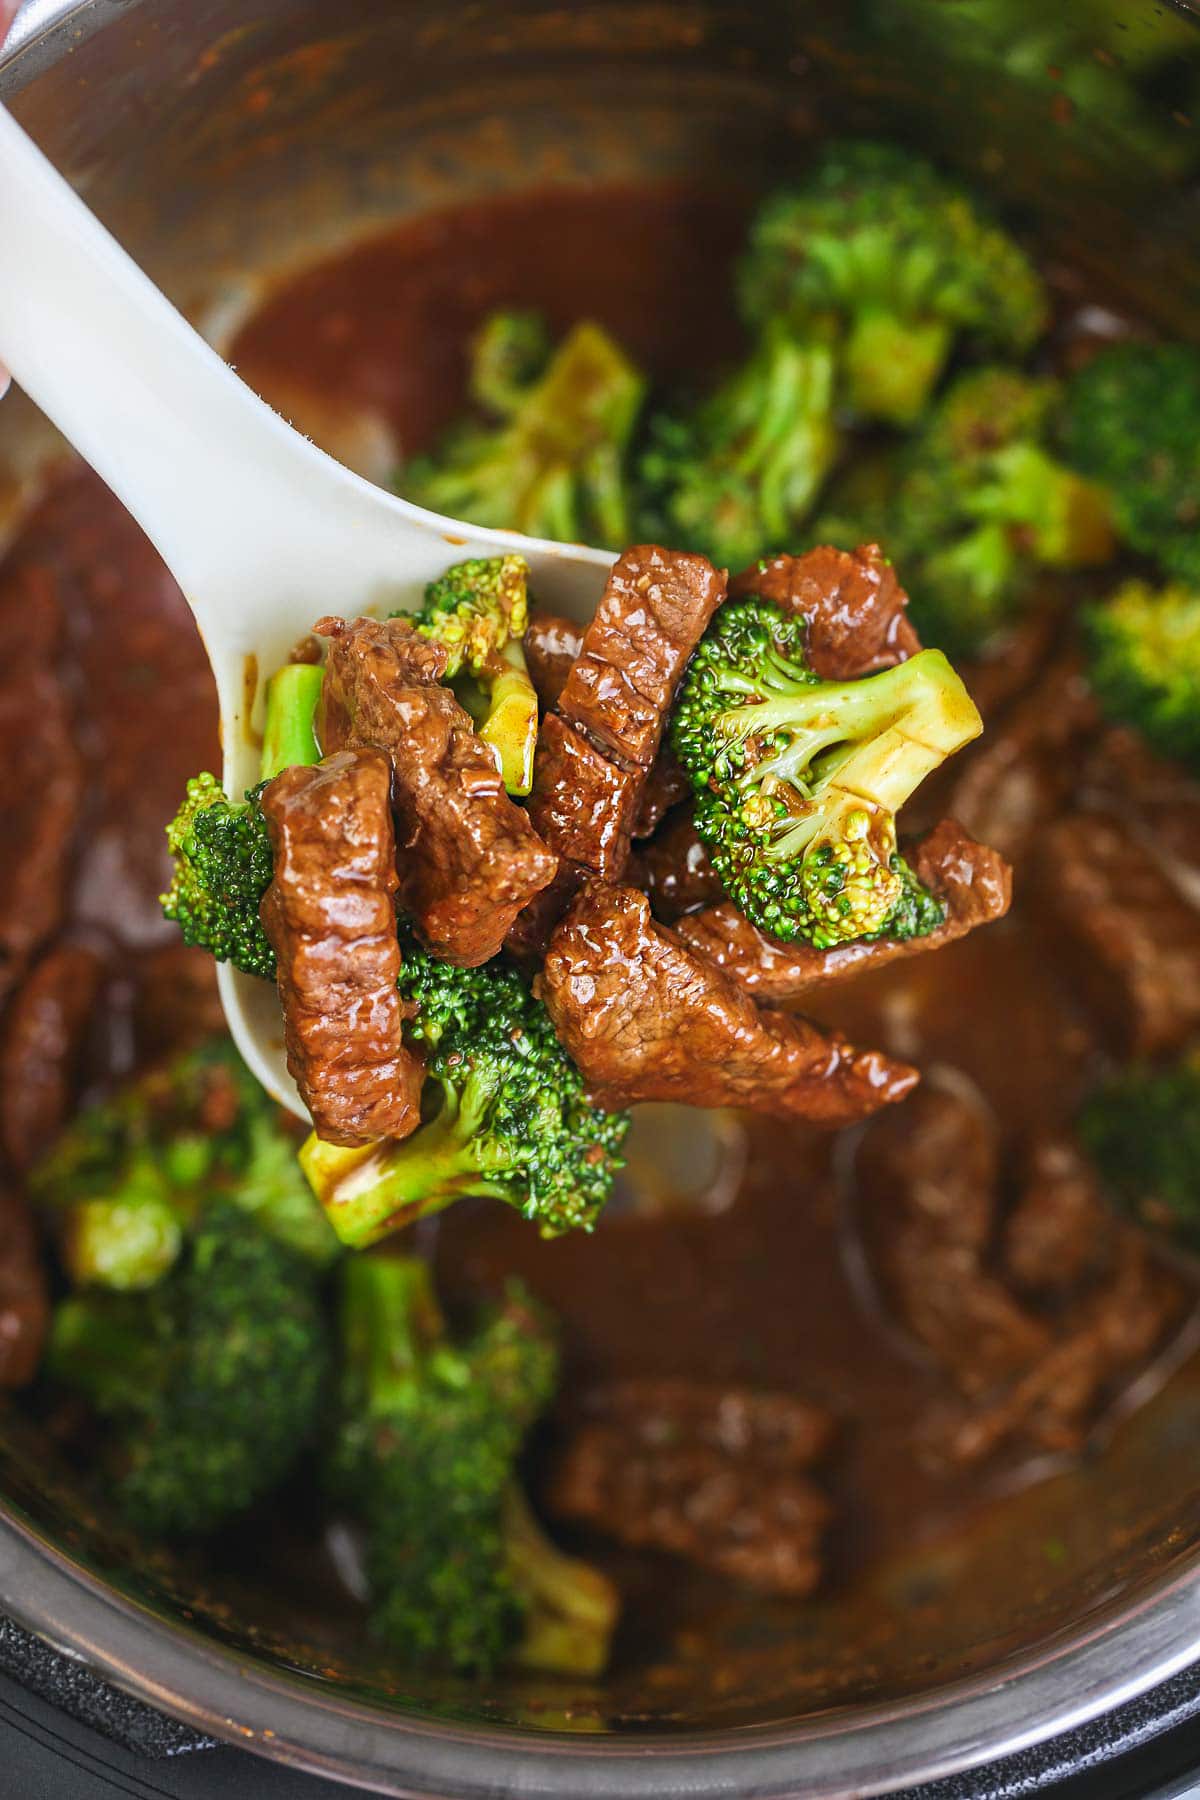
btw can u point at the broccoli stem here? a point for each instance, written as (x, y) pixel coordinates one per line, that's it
(289, 737)
(511, 725)
(892, 365)
(390, 1319)
(570, 1608)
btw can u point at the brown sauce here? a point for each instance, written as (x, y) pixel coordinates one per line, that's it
(765, 1291)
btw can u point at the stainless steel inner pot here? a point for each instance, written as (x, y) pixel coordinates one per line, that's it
(226, 141)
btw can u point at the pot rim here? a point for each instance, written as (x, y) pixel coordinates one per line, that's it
(1119, 1652)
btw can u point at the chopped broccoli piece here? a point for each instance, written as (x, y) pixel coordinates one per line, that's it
(976, 506)
(289, 737)
(1133, 424)
(513, 1122)
(901, 260)
(1142, 1130)
(479, 610)
(509, 356)
(459, 1572)
(742, 470)
(211, 1383)
(799, 780)
(131, 1174)
(553, 466)
(1144, 664)
(223, 866)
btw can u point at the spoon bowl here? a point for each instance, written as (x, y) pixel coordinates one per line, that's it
(262, 530)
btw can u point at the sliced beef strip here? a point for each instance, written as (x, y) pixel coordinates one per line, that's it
(1156, 800)
(24, 1294)
(928, 1191)
(44, 1034)
(583, 803)
(551, 645)
(673, 868)
(647, 1018)
(1131, 936)
(973, 883)
(1060, 1230)
(653, 612)
(717, 1475)
(530, 932)
(1024, 773)
(176, 1003)
(43, 770)
(469, 858)
(851, 600)
(329, 914)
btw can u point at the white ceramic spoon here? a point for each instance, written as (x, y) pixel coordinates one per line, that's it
(262, 531)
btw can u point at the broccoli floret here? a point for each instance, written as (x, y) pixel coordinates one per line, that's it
(1133, 425)
(126, 1181)
(479, 611)
(512, 1122)
(1142, 1130)
(742, 470)
(977, 505)
(799, 780)
(223, 865)
(901, 261)
(458, 1570)
(1144, 664)
(553, 465)
(210, 1384)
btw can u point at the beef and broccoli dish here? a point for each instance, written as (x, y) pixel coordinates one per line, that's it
(856, 833)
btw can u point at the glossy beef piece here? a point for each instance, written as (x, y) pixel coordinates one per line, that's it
(469, 859)
(1157, 801)
(583, 803)
(43, 771)
(852, 602)
(652, 614)
(530, 932)
(1023, 774)
(928, 1179)
(1036, 1365)
(551, 645)
(647, 1018)
(973, 883)
(718, 1475)
(329, 913)
(41, 1051)
(176, 1003)
(24, 1295)
(673, 868)
(1130, 931)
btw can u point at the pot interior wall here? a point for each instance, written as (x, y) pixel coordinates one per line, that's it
(226, 144)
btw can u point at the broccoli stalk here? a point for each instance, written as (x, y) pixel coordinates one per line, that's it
(479, 611)
(1144, 664)
(553, 466)
(211, 1383)
(1133, 425)
(426, 1450)
(220, 847)
(1142, 1130)
(126, 1182)
(513, 1122)
(509, 354)
(900, 261)
(799, 780)
(743, 469)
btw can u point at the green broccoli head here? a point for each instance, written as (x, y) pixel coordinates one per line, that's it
(211, 1383)
(553, 466)
(223, 866)
(512, 1121)
(1143, 648)
(741, 471)
(979, 505)
(901, 260)
(479, 611)
(1142, 1130)
(799, 780)
(125, 1183)
(1133, 425)
(429, 1435)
